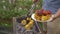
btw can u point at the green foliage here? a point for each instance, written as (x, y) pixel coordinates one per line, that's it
(8, 10)
(6, 24)
(10, 14)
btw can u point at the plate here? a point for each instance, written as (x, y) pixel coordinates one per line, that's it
(51, 18)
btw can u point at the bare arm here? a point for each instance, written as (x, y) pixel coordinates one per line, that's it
(57, 14)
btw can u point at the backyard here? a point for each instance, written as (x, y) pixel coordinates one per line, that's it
(10, 9)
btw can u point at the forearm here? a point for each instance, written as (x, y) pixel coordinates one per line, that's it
(57, 13)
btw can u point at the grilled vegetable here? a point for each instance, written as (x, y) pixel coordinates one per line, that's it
(29, 25)
(23, 22)
(28, 18)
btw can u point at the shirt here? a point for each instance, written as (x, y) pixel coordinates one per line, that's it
(52, 5)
